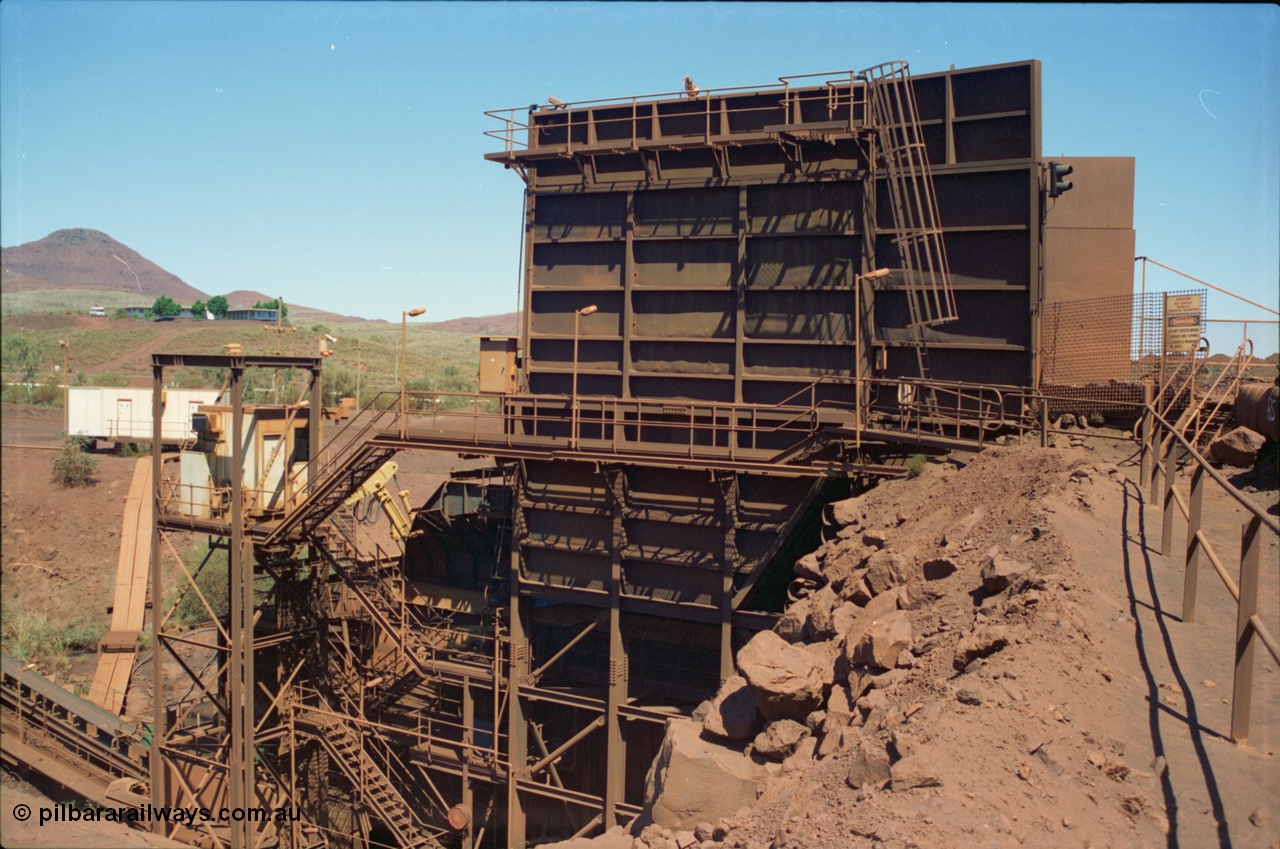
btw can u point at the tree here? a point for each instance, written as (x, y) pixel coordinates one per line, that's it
(218, 306)
(165, 307)
(22, 355)
(197, 309)
(273, 304)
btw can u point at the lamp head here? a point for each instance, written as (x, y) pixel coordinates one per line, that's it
(587, 310)
(416, 311)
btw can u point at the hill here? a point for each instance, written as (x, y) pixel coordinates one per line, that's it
(487, 325)
(90, 259)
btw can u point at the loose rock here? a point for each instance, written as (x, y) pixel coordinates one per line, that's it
(786, 680)
(780, 739)
(883, 641)
(870, 765)
(983, 642)
(910, 773)
(732, 713)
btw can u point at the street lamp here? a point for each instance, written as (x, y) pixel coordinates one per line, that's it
(404, 322)
(66, 387)
(573, 422)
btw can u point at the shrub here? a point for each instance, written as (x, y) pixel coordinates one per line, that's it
(47, 394)
(212, 581)
(915, 465)
(72, 466)
(110, 378)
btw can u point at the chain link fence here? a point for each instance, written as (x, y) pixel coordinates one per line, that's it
(1097, 353)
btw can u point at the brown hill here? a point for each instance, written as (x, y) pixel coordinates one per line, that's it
(89, 259)
(486, 325)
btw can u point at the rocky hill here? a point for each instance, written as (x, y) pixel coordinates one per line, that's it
(90, 259)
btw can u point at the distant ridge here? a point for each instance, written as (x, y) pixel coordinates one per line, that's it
(486, 325)
(90, 259)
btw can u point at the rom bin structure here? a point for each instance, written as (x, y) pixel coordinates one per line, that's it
(737, 307)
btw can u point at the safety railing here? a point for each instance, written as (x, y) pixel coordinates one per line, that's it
(422, 730)
(1164, 449)
(629, 122)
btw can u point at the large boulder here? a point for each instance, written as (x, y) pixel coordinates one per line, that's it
(694, 780)
(876, 607)
(887, 569)
(1238, 448)
(885, 639)
(733, 713)
(787, 681)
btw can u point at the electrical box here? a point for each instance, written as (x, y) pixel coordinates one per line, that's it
(499, 365)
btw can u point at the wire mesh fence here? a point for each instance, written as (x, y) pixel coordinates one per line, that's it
(1098, 353)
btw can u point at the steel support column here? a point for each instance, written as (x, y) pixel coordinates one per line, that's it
(616, 695)
(468, 740)
(517, 724)
(240, 668)
(728, 562)
(159, 782)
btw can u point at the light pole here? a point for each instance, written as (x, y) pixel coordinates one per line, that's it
(404, 324)
(66, 387)
(573, 418)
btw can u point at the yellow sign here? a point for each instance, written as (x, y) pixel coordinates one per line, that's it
(1181, 323)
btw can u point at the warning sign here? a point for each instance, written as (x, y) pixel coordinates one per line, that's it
(1182, 330)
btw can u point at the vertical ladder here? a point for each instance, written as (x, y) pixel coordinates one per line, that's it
(918, 234)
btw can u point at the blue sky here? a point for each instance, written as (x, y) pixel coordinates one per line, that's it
(332, 153)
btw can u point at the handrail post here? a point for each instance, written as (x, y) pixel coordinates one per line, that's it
(1242, 685)
(1159, 466)
(1191, 573)
(1145, 480)
(1171, 477)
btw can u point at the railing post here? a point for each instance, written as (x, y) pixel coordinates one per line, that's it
(1242, 686)
(1170, 477)
(1191, 573)
(1159, 464)
(1044, 422)
(1146, 436)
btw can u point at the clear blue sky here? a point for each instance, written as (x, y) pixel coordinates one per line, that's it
(333, 152)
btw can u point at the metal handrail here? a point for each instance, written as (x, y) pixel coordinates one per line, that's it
(512, 126)
(1248, 623)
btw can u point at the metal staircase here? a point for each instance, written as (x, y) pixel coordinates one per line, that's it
(347, 467)
(364, 772)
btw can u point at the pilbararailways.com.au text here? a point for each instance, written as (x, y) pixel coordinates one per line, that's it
(177, 815)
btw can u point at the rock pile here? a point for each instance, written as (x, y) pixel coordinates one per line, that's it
(903, 624)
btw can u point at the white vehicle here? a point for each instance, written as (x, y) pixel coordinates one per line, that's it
(122, 415)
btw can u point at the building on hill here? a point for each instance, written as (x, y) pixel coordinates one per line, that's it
(251, 314)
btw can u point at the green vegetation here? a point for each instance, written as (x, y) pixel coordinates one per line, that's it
(366, 354)
(915, 465)
(197, 309)
(166, 307)
(110, 378)
(273, 304)
(72, 466)
(22, 356)
(209, 568)
(29, 637)
(218, 306)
